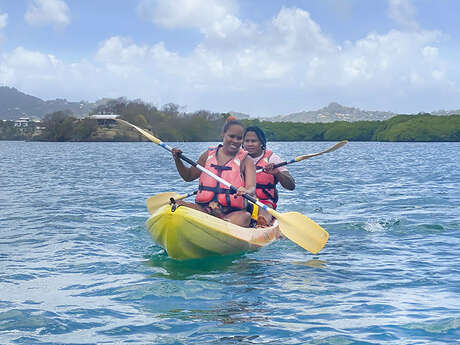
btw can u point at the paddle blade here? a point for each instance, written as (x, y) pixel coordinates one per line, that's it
(301, 230)
(333, 148)
(156, 201)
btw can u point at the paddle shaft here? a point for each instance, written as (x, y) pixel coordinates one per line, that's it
(301, 158)
(187, 195)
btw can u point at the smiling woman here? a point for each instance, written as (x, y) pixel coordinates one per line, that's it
(230, 162)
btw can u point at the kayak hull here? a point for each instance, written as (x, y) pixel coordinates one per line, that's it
(186, 234)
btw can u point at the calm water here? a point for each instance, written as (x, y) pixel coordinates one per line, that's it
(78, 267)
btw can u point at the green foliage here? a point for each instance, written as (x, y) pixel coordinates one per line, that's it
(289, 131)
(84, 129)
(59, 126)
(9, 132)
(353, 131)
(419, 128)
(170, 124)
(62, 126)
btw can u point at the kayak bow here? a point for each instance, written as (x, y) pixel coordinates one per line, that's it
(186, 233)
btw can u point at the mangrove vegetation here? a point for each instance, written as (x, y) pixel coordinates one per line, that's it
(171, 124)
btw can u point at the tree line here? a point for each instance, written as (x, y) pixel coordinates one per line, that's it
(171, 124)
(421, 127)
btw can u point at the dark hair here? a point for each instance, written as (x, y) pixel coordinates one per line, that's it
(230, 122)
(260, 134)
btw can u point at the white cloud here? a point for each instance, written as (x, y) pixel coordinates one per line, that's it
(403, 13)
(186, 13)
(290, 53)
(42, 74)
(430, 52)
(248, 64)
(293, 35)
(213, 18)
(25, 66)
(121, 50)
(32, 60)
(48, 12)
(3, 20)
(382, 67)
(126, 59)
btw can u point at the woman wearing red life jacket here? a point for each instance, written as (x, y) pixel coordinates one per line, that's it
(255, 143)
(229, 161)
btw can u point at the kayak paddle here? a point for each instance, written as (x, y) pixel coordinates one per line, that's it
(301, 158)
(156, 201)
(295, 226)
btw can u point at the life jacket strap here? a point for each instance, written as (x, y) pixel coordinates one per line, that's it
(220, 168)
(216, 190)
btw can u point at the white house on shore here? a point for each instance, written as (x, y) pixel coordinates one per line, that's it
(22, 122)
(104, 120)
(25, 122)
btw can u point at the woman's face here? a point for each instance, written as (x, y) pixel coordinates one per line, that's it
(252, 144)
(232, 139)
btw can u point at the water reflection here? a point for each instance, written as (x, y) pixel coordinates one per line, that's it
(182, 270)
(315, 263)
(229, 312)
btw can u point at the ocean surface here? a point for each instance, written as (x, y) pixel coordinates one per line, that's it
(77, 265)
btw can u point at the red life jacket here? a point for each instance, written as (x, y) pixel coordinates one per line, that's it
(266, 190)
(211, 190)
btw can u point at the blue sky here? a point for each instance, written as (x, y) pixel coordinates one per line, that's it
(258, 57)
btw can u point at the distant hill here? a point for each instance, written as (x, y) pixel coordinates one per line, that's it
(446, 112)
(14, 104)
(333, 112)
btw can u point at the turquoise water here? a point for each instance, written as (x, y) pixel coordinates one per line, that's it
(77, 265)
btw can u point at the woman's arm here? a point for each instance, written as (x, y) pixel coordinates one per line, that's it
(286, 180)
(249, 176)
(283, 177)
(282, 174)
(188, 173)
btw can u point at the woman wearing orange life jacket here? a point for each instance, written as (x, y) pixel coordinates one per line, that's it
(255, 143)
(229, 161)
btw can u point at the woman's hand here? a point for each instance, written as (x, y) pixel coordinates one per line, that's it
(176, 153)
(240, 191)
(269, 169)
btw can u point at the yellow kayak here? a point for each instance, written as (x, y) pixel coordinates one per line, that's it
(186, 233)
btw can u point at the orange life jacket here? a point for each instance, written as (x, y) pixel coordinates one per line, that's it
(211, 190)
(266, 190)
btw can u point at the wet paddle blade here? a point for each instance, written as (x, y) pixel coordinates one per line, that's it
(301, 230)
(156, 201)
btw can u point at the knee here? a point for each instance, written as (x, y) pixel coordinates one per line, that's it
(246, 218)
